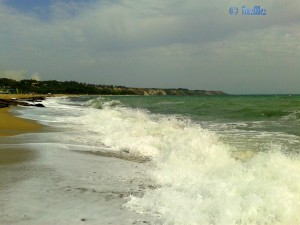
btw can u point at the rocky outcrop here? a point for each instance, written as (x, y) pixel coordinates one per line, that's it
(3, 104)
(23, 102)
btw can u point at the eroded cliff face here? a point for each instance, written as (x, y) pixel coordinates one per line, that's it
(157, 91)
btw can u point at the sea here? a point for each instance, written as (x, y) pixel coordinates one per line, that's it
(207, 160)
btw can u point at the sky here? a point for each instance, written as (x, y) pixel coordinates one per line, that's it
(193, 44)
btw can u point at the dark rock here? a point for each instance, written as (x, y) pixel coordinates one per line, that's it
(23, 102)
(34, 99)
(4, 105)
(38, 105)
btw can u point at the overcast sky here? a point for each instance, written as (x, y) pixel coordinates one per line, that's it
(193, 44)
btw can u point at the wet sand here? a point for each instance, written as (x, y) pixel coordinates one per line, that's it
(11, 125)
(11, 157)
(61, 186)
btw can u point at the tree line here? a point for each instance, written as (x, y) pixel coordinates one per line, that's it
(27, 86)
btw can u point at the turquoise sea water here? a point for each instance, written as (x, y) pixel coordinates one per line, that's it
(247, 122)
(213, 160)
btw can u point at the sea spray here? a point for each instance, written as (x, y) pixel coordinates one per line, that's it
(207, 186)
(197, 179)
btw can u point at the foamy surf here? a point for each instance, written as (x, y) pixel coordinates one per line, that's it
(197, 178)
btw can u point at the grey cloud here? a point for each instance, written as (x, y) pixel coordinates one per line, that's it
(194, 44)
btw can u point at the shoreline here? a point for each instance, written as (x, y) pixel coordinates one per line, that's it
(43, 181)
(28, 96)
(11, 125)
(19, 96)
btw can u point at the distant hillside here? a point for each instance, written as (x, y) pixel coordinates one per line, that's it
(73, 87)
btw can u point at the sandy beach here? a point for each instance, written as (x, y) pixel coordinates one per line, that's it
(12, 125)
(10, 96)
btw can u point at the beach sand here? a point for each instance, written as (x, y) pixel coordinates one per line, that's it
(20, 96)
(10, 96)
(11, 125)
(12, 156)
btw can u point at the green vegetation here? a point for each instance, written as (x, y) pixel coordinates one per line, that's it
(73, 87)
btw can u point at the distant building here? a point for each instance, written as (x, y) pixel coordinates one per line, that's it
(8, 90)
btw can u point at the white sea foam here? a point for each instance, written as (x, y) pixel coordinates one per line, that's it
(197, 179)
(292, 116)
(220, 190)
